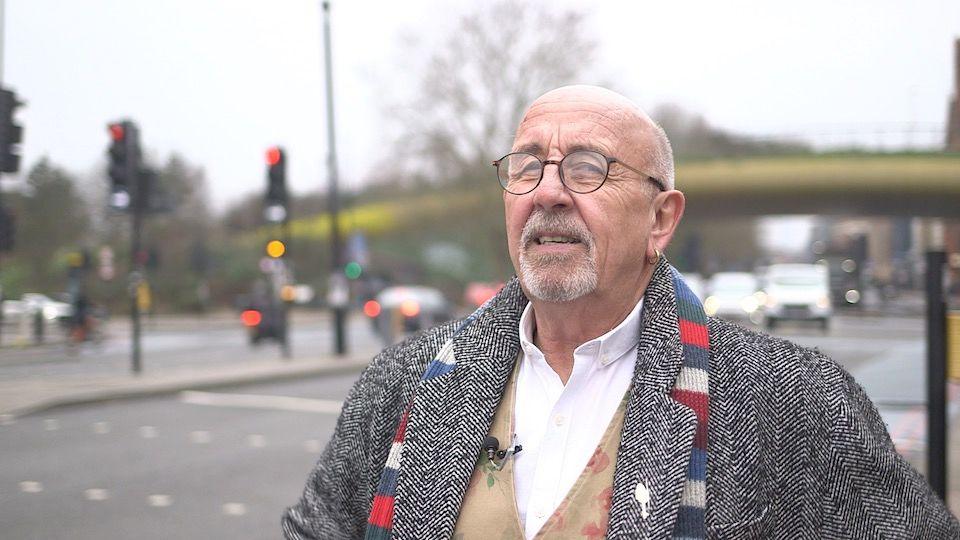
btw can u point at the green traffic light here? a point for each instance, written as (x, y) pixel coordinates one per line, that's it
(353, 270)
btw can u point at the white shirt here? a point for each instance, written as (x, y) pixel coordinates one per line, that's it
(560, 426)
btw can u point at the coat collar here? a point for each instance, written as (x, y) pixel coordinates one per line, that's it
(452, 414)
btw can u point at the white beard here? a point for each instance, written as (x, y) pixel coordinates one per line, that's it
(557, 277)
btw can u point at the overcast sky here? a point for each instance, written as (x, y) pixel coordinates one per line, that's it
(221, 80)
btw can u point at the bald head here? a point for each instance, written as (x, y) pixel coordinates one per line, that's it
(640, 141)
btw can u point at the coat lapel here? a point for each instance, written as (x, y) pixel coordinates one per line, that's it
(658, 432)
(451, 416)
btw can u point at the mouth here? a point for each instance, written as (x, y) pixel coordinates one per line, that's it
(544, 240)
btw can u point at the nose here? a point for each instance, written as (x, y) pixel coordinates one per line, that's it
(551, 193)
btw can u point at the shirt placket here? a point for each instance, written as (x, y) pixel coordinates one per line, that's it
(555, 446)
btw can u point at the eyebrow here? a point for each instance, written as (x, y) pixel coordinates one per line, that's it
(536, 149)
(530, 148)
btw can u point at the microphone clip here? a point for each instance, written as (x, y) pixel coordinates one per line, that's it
(497, 457)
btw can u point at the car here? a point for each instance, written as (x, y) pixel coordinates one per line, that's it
(799, 292)
(31, 303)
(696, 284)
(51, 309)
(733, 295)
(262, 315)
(478, 292)
(402, 309)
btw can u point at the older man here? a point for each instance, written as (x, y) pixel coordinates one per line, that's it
(592, 398)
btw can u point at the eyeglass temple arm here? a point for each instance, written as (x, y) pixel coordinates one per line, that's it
(641, 173)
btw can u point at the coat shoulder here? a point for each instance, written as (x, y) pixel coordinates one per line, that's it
(773, 363)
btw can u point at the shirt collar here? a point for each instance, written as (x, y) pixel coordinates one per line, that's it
(605, 349)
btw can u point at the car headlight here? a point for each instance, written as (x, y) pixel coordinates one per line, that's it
(749, 304)
(710, 305)
(49, 313)
(771, 301)
(852, 296)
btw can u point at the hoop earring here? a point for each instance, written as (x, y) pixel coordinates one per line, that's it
(655, 259)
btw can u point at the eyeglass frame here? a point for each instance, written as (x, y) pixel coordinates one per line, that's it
(545, 162)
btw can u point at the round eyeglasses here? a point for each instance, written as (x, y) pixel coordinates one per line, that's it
(583, 171)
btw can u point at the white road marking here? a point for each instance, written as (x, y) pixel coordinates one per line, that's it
(159, 501)
(29, 486)
(148, 432)
(51, 424)
(96, 494)
(101, 428)
(256, 441)
(254, 401)
(7, 419)
(312, 446)
(234, 509)
(200, 437)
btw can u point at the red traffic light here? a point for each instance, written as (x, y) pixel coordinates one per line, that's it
(251, 317)
(116, 132)
(273, 155)
(371, 308)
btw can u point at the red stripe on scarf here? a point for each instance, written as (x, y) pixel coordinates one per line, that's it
(382, 513)
(402, 428)
(697, 401)
(694, 334)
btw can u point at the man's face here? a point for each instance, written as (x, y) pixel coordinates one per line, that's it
(566, 245)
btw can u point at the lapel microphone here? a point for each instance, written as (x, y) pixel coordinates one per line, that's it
(498, 457)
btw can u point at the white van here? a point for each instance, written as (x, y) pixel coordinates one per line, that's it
(798, 292)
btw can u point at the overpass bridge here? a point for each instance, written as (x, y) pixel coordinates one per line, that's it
(868, 184)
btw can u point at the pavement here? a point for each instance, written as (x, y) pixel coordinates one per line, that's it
(25, 396)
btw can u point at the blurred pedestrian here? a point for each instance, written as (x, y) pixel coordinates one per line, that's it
(593, 398)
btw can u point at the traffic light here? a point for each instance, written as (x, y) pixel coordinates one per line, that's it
(11, 133)
(124, 163)
(275, 210)
(353, 270)
(276, 249)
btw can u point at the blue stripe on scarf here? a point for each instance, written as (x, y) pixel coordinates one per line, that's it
(698, 465)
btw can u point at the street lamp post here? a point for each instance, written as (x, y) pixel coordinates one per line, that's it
(336, 256)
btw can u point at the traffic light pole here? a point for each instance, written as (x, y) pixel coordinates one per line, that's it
(139, 192)
(336, 255)
(136, 276)
(284, 303)
(936, 374)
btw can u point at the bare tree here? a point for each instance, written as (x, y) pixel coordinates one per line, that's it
(692, 137)
(477, 84)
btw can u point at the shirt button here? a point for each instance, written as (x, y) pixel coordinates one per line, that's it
(559, 419)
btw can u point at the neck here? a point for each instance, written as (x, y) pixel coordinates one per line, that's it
(561, 327)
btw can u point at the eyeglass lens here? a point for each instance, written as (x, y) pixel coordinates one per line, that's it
(582, 171)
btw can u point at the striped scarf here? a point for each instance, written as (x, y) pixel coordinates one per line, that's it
(691, 389)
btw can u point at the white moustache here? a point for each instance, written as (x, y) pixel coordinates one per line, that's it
(555, 224)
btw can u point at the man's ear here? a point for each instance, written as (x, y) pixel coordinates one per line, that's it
(668, 209)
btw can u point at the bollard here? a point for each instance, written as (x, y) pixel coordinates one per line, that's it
(38, 326)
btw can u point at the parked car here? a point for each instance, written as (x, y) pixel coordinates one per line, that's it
(797, 292)
(696, 284)
(399, 310)
(30, 303)
(733, 295)
(52, 310)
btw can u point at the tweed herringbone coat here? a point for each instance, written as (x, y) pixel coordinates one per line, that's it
(795, 447)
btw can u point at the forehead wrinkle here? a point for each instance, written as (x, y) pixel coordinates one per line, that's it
(586, 137)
